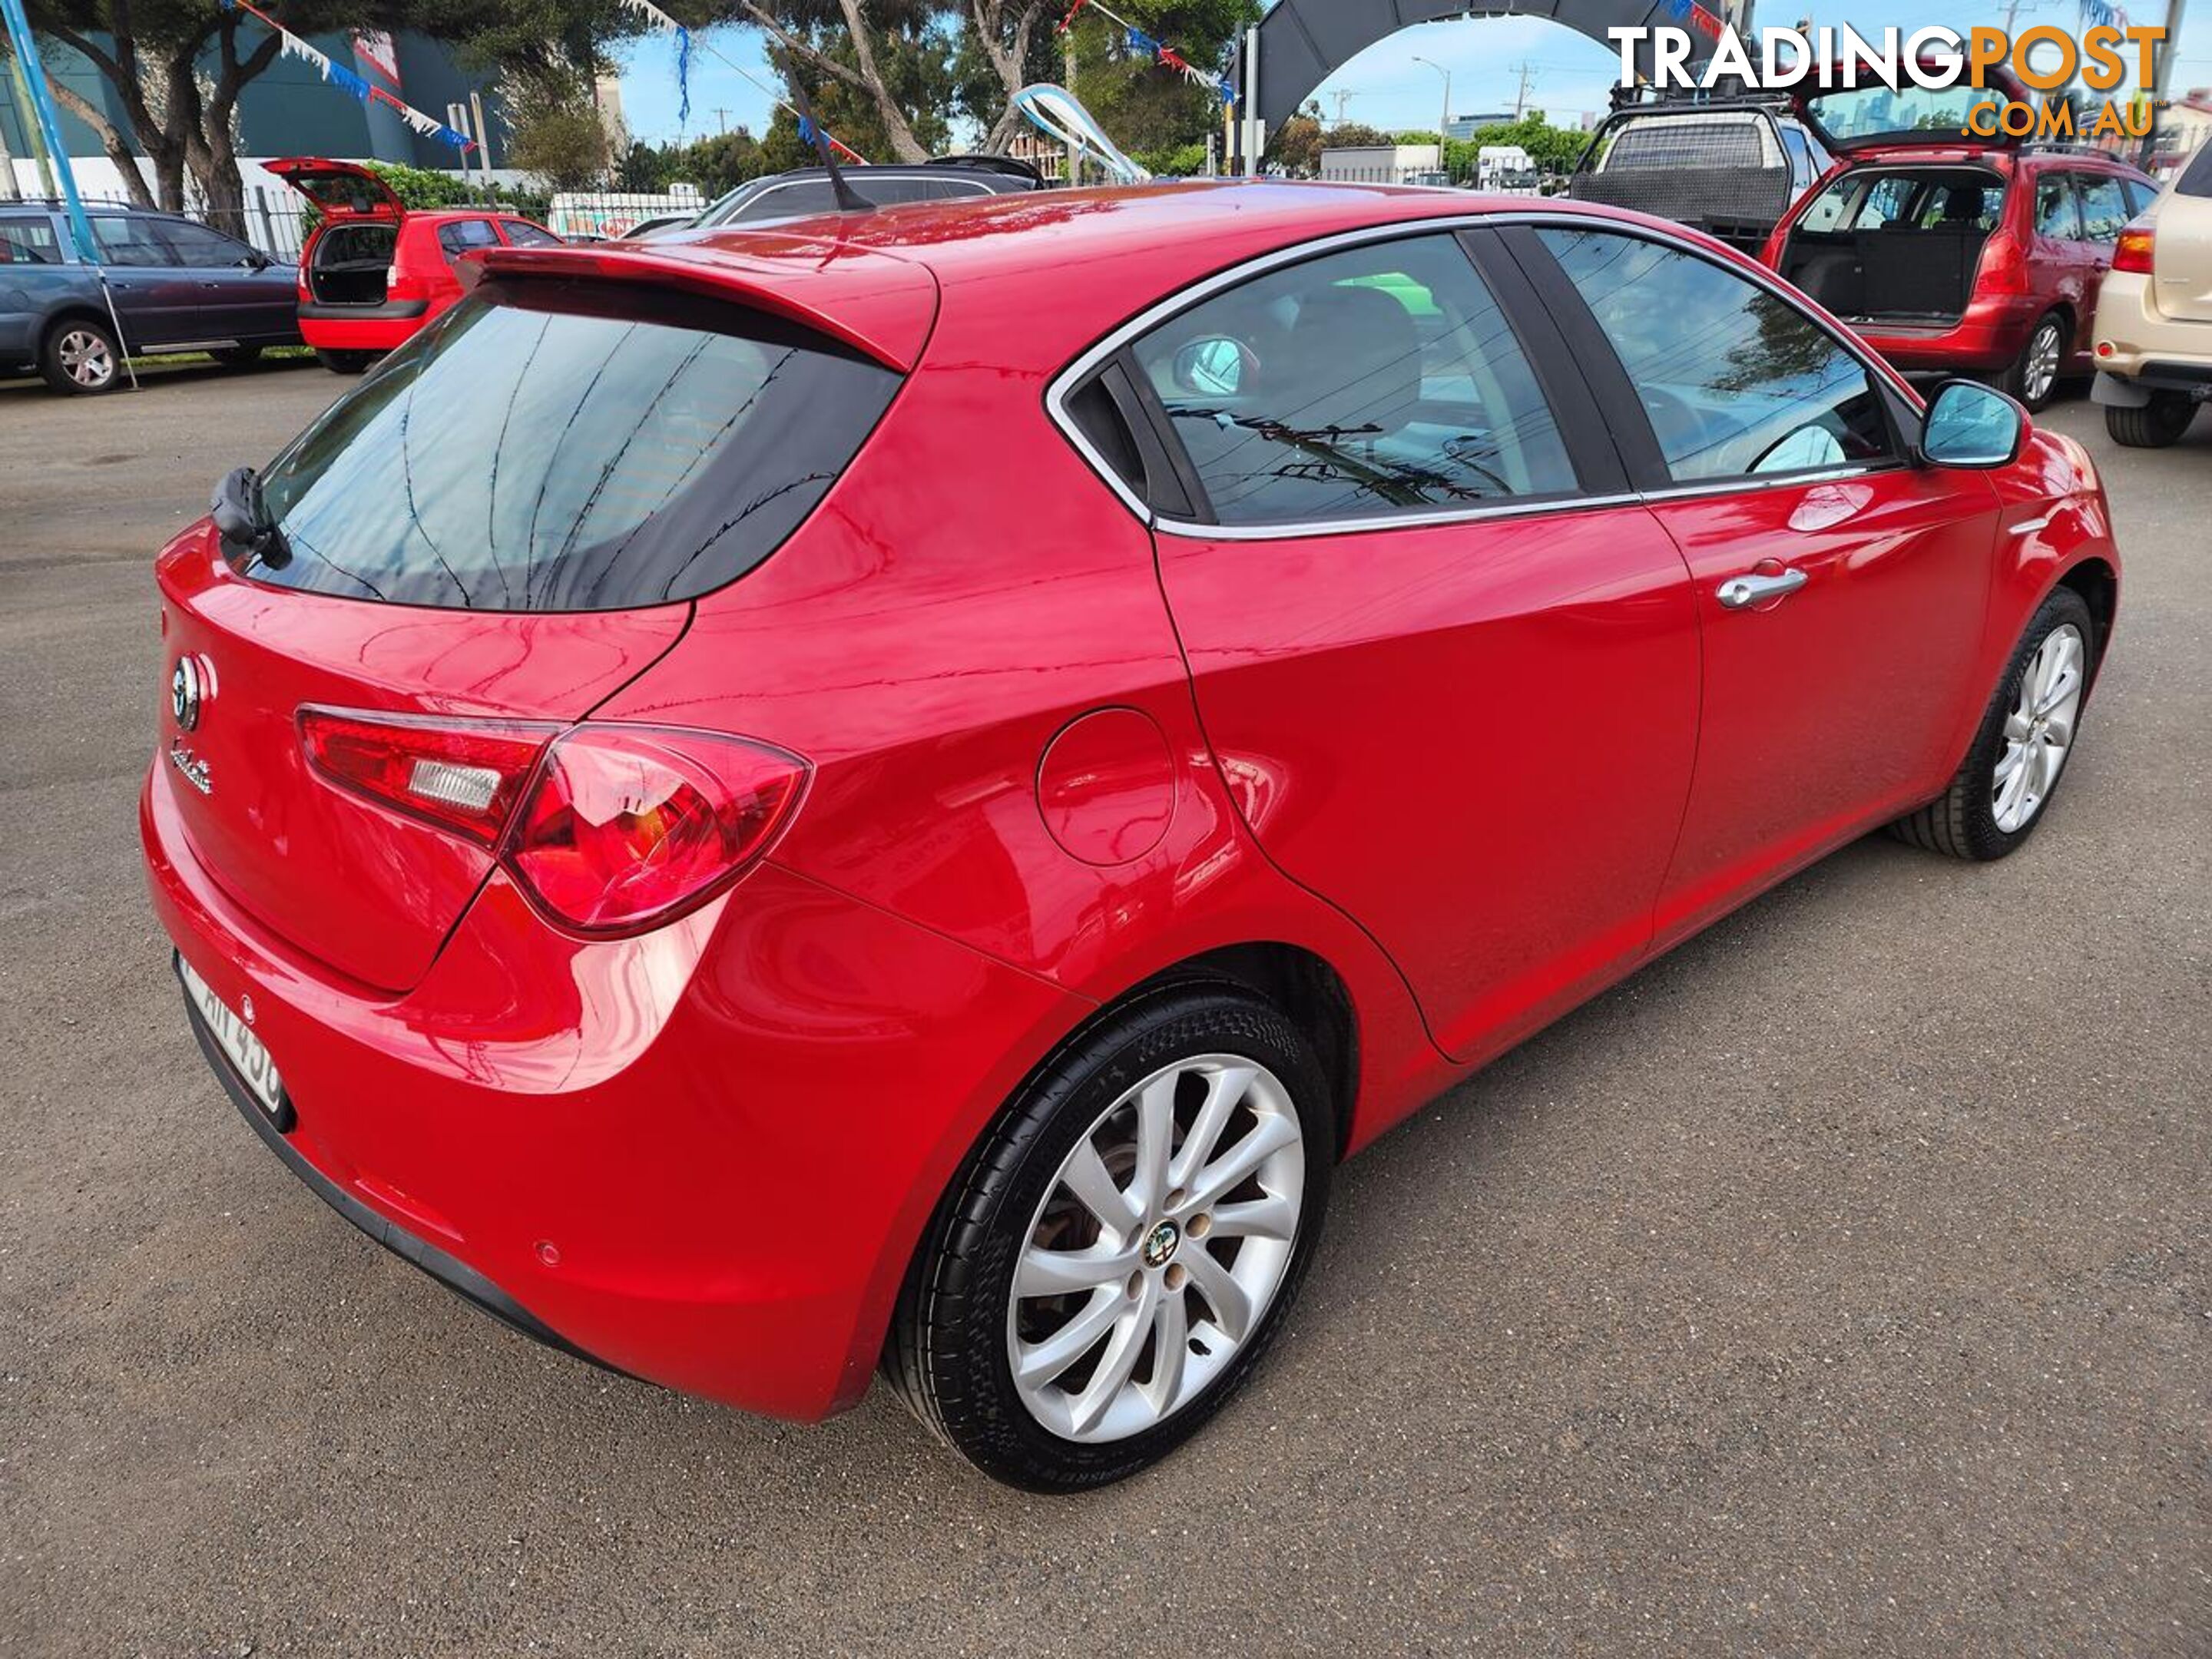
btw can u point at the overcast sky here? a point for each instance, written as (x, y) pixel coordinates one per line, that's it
(1569, 72)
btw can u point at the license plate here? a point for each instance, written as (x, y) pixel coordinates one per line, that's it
(246, 1054)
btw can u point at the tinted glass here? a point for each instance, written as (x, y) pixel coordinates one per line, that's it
(460, 237)
(522, 234)
(1861, 113)
(2103, 207)
(2140, 195)
(195, 244)
(2055, 214)
(1382, 380)
(29, 242)
(2196, 178)
(131, 241)
(512, 457)
(1737, 381)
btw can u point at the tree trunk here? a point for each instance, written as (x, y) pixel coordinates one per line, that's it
(1007, 59)
(110, 140)
(865, 79)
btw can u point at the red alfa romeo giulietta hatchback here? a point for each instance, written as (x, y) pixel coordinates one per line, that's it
(895, 793)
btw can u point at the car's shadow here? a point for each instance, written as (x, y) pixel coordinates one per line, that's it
(162, 376)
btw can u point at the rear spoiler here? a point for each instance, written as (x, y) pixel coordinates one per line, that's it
(876, 304)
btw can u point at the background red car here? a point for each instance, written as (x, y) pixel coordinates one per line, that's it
(917, 781)
(1958, 255)
(374, 271)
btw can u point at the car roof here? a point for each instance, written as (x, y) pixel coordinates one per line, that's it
(1070, 263)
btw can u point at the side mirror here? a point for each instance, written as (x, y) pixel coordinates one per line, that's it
(255, 259)
(1213, 367)
(1969, 425)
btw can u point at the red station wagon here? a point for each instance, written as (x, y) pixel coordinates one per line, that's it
(373, 272)
(935, 771)
(1960, 255)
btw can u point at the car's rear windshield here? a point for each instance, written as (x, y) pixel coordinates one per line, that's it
(562, 447)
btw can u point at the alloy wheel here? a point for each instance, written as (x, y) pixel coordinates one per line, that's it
(2040, 372)
(86, 358)
(1158, 1247)
(2039, 731)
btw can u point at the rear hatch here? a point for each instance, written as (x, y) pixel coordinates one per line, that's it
(2181, 245)
(1863, 120)
(506, 521)
(349, 259)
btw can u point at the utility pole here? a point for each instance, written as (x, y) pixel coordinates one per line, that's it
(1342, 96)
(721, 120)
(1527, 72)
(2161, 75)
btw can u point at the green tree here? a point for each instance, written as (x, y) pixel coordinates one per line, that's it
(558, 137)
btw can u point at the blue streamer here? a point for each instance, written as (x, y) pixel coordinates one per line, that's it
(805, 131)
(682, 77)
(342, 76)
(1140, 41)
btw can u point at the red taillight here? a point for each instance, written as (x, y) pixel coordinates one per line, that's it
(2004, 268)
(611, 829)
(627, 826)
(2133, 251)
(401, 284)
(463, 775)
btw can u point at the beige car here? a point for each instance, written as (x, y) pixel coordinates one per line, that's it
(2154, 328)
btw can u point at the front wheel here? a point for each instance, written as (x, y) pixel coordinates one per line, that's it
(1123, 1246)
(2155, 424)
(344, 362)
(2000, 792)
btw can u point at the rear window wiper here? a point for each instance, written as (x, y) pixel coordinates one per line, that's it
(241, 518)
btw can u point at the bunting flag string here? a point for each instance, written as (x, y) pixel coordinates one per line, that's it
(685, 45)
(291, 45)
(1145, 45)
(2097, 12)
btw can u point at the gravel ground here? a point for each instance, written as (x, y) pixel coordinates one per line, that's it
(1842, 1282)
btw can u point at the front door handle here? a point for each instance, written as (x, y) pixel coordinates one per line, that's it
(1739, 593)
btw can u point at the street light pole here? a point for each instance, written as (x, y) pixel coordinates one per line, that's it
(1444, 126)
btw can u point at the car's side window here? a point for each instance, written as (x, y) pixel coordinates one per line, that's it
(521, 233)
(204, 249)
(1737, 381)
(465, 235)
(127, 241)
(29, 242)
(2103, 207)
(1379, 381)
(2055, 212)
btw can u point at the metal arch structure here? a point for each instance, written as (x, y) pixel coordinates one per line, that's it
(1300, 43)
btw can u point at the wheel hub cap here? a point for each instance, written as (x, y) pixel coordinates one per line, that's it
(1160, 1244)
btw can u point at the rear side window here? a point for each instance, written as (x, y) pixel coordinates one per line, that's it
(2196, 178)
(2055, 214)
(554, 450)
(29, 242)
(126, 241)
(1379, 381)
(464, 234)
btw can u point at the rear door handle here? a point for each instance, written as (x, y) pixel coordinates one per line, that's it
(1739, 593)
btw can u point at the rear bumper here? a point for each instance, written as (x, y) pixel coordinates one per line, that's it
(1986, 338)
(701, 1157)
(362, 328)
(2141, 347)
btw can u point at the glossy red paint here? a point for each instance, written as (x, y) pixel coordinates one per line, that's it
(1053, 755)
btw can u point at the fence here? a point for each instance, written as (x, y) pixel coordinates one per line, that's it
(615, 212)
(269, 220)
(1531, 181)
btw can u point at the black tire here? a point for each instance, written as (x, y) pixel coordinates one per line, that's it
(2157, 425)
(345, 362)
(71, 356)
(947, 1354)
(1962, 821)
(2012, 382)
(238, 356)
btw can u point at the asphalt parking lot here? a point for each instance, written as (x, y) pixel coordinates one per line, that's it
(1840, 1283)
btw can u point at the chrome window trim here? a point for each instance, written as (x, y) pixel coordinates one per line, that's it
(1065, 382)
